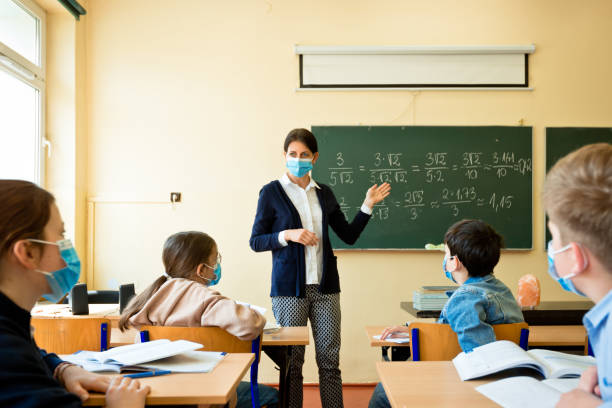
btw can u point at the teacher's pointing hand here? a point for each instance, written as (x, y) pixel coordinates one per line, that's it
(376, 194)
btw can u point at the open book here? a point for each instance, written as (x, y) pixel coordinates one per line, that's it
(162, 354)
(502, 355)
(527, 392)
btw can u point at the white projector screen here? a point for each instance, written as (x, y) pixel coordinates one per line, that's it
(478, 69)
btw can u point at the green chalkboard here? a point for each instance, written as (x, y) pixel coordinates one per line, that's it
(561, 141)
(439, 175)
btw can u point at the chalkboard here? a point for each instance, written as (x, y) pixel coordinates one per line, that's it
(439, 175)
(561, 141)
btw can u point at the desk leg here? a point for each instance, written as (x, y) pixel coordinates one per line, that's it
(281, 355)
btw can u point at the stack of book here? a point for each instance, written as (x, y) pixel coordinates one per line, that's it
(431, 297)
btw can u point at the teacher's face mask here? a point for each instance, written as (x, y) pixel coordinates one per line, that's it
(299, 167)
(62, 280)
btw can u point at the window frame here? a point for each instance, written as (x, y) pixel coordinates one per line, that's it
(24, 70)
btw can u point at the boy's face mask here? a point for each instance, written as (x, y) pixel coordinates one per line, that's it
(447, 273)
(565, 281)
(62, 280)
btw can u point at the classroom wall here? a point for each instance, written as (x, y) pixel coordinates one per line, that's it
(197, 96)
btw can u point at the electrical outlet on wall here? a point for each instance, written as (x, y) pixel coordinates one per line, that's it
(175, 197)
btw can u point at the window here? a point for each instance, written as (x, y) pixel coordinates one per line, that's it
(22, 55)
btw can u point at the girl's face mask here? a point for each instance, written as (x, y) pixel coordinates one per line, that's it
(62, 280)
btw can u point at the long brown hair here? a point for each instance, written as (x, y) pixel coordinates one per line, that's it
(25, 210)
(182, 254)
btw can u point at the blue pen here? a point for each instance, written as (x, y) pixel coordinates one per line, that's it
(148, 374)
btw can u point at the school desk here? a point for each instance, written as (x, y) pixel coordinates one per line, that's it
(546, 314)
(277, 345)
(434, 384)
(217, 387)
(63, 311)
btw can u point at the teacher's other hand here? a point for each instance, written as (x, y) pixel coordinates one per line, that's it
(376, 194)
(301, 236)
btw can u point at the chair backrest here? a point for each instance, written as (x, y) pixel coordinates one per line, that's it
(67, 336)
(213, 339)
(438, 342)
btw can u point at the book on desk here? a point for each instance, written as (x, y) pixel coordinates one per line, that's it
(176, 356)
(502, 355)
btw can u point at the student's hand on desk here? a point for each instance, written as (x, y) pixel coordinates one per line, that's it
(376, 194)
(589, 382)
(79, 381)
(578, 398)
(301, 236)
(390, 331)
(125, 392)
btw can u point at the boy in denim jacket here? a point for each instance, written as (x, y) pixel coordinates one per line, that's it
(472, 250)
(577, 197)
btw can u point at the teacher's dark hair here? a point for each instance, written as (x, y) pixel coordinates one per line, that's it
(302, 135)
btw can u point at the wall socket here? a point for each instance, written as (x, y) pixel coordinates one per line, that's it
(175, 197)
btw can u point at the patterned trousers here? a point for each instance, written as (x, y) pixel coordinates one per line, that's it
(323, 310)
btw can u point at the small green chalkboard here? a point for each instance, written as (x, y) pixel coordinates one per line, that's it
(439, 175)
(561, 141)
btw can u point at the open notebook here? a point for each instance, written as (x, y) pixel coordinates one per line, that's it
(176, 356)
(502, 355)
(527, 392)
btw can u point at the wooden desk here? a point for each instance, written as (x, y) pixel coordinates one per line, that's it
(216, 387)
(63, 311)
(547, 313)
(430, 384)
(277, 345)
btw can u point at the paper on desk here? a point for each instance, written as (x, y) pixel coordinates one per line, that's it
(397, 338)
(258, 309)
(527, 392)
(271, 327)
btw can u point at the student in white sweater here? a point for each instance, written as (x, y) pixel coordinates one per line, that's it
(182, 297)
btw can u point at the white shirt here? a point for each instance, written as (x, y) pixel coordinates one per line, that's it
(307, 204)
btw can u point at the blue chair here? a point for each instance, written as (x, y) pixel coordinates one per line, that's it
(438, 342)
(67, 336)
(213, 339)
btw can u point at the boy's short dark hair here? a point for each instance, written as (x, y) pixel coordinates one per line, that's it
(476, 244)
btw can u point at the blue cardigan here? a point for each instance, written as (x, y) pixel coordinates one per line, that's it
(276, 213)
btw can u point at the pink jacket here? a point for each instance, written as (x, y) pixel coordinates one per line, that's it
(183, 302)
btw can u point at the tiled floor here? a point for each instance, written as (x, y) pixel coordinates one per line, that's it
(355, 396)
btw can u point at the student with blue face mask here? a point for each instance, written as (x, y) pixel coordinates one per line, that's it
(183, 295)
(471, 252)
(292, 221)
(577, 197)
(36, 260)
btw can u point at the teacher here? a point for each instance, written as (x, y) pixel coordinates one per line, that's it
(293, 215)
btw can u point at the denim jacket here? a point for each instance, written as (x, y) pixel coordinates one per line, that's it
(476, 305)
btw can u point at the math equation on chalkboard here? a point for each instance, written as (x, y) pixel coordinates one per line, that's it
(435, 168)
(438, 175)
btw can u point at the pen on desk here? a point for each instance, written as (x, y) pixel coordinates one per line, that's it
(148, 374)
